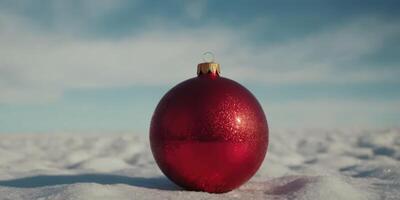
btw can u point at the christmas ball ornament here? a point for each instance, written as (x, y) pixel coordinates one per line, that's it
(209, 133)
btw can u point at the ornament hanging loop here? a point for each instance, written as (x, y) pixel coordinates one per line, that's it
(208, 57)
(208, 66)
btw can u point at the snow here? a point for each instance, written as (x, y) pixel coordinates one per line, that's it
(301, 164)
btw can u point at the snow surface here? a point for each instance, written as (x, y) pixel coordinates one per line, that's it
(306, 164)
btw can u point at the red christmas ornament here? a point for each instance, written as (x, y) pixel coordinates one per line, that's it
(209, 133)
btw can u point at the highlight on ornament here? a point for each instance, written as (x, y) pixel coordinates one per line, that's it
(212, 147)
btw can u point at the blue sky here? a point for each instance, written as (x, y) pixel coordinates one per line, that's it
(102, 65)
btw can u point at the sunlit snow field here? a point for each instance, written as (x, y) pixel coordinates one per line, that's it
(305, 164)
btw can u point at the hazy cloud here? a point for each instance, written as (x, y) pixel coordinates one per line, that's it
(333, 112)
(38, 65)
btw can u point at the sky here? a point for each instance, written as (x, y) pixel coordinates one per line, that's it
(103, 65)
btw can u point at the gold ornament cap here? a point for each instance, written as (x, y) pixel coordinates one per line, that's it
(208, 66)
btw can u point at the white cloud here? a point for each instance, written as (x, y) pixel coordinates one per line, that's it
(36, 65)
(73, 16)
(195, 8)
(330, 113)
(321, 57)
